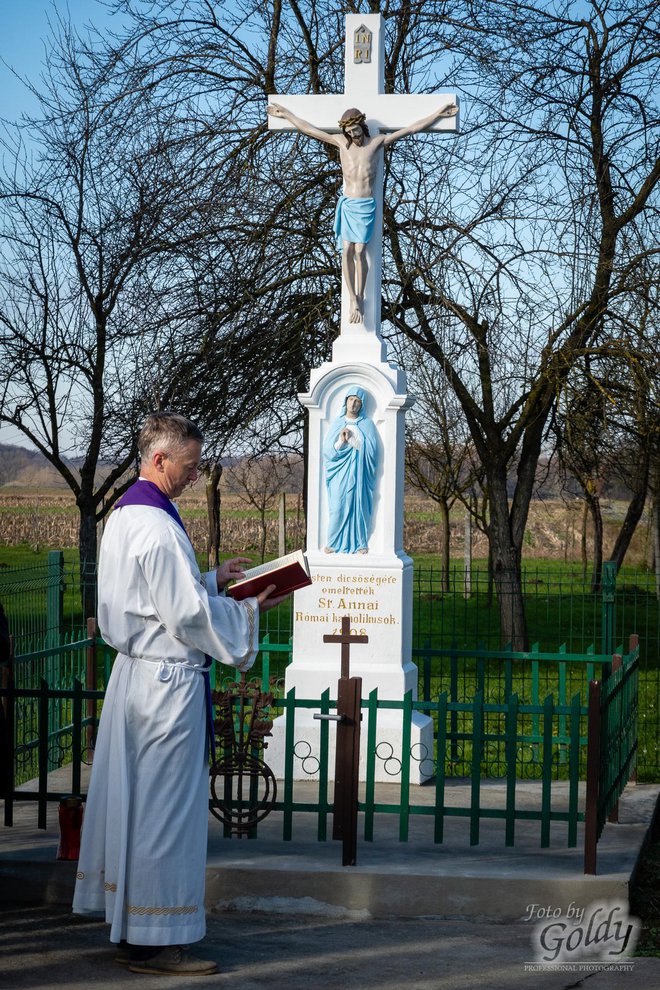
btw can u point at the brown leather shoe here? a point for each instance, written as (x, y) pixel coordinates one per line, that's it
(173, 961)
(123, 956)
(127, 953)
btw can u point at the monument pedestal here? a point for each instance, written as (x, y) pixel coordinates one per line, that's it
(389, 755)
(374, 589)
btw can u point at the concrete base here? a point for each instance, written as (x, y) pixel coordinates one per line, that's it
(411, 879)
(388, 748)
(373, 895)
(419, 878)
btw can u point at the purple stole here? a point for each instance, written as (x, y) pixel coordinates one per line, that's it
(146, 493)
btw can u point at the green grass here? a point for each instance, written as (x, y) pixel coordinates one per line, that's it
(559, 611)
(559, 608)
(24, 556)
(23, 576)
(41, 510)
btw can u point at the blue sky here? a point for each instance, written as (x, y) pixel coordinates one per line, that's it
(23, 32)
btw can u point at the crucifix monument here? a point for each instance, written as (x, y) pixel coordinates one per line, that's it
(360, 157)
(356, 405)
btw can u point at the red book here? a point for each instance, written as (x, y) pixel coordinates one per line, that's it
(287, 573)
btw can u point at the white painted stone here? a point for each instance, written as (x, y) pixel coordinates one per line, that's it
(374, 589)
(388, 747)
(386, 408)
(364, 88)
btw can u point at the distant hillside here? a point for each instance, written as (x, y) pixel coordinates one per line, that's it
(20, 466)
(23, 468)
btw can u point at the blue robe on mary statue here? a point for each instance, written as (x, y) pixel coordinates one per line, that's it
(350, 470)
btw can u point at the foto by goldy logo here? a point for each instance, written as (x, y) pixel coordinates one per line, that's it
(603, 932)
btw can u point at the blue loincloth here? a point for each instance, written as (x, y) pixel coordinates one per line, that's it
(354, 219)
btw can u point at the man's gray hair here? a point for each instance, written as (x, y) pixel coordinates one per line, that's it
(166, 431)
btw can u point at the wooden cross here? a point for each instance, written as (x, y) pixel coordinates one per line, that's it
(347, 757)
(345, 638)
(364, 88)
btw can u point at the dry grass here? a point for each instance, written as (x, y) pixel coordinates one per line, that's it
(47, 518)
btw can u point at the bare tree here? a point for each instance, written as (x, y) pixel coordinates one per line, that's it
(212, 471)
(634, 386)
(540, 223)
(94, 210)
(583, 448)
(258, 482)
(440, 460)
(504, 249)
(607, 430)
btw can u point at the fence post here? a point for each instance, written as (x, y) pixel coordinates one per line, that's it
(347, 766)
(91, 682)
(42, 749)
(633, 646)
(475, 769)
(617, 660)
(7, 758)
(467, 555)
(76, 738)
(55, 597)
(289, 742)
(282, 525)
(607, 607)
(593, 778)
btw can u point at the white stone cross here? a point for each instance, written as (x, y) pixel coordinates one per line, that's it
(385, 112)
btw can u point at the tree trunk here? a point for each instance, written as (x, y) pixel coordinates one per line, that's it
(281, 542)
(593, 502)
(655, 523)
(507, 572)
(444, 545)
(263, 534)
(213, 500)
(583, 539)
(633, 515)
(467, 555)
(87, 547)
(656, 542)
(490, 576)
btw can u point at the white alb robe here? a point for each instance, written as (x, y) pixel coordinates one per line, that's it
(143, 851)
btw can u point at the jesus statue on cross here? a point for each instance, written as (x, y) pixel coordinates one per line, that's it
(356, 208)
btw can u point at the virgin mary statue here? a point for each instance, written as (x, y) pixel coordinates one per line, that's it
(350, 454)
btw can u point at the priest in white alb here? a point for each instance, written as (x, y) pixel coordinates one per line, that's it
(143, 852)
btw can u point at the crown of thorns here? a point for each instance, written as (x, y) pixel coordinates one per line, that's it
(357, 118)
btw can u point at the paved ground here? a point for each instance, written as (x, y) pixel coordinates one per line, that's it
(290, 917)
(485, 882)
(48, 947)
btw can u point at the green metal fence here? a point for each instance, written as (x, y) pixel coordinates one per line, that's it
(451, 631)
(33, 598)
(33, 757)
(613, 745)
(569, 737)
(508, 725)
(560, 607)
(563, 616)
(80, 658)
(43, 603)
